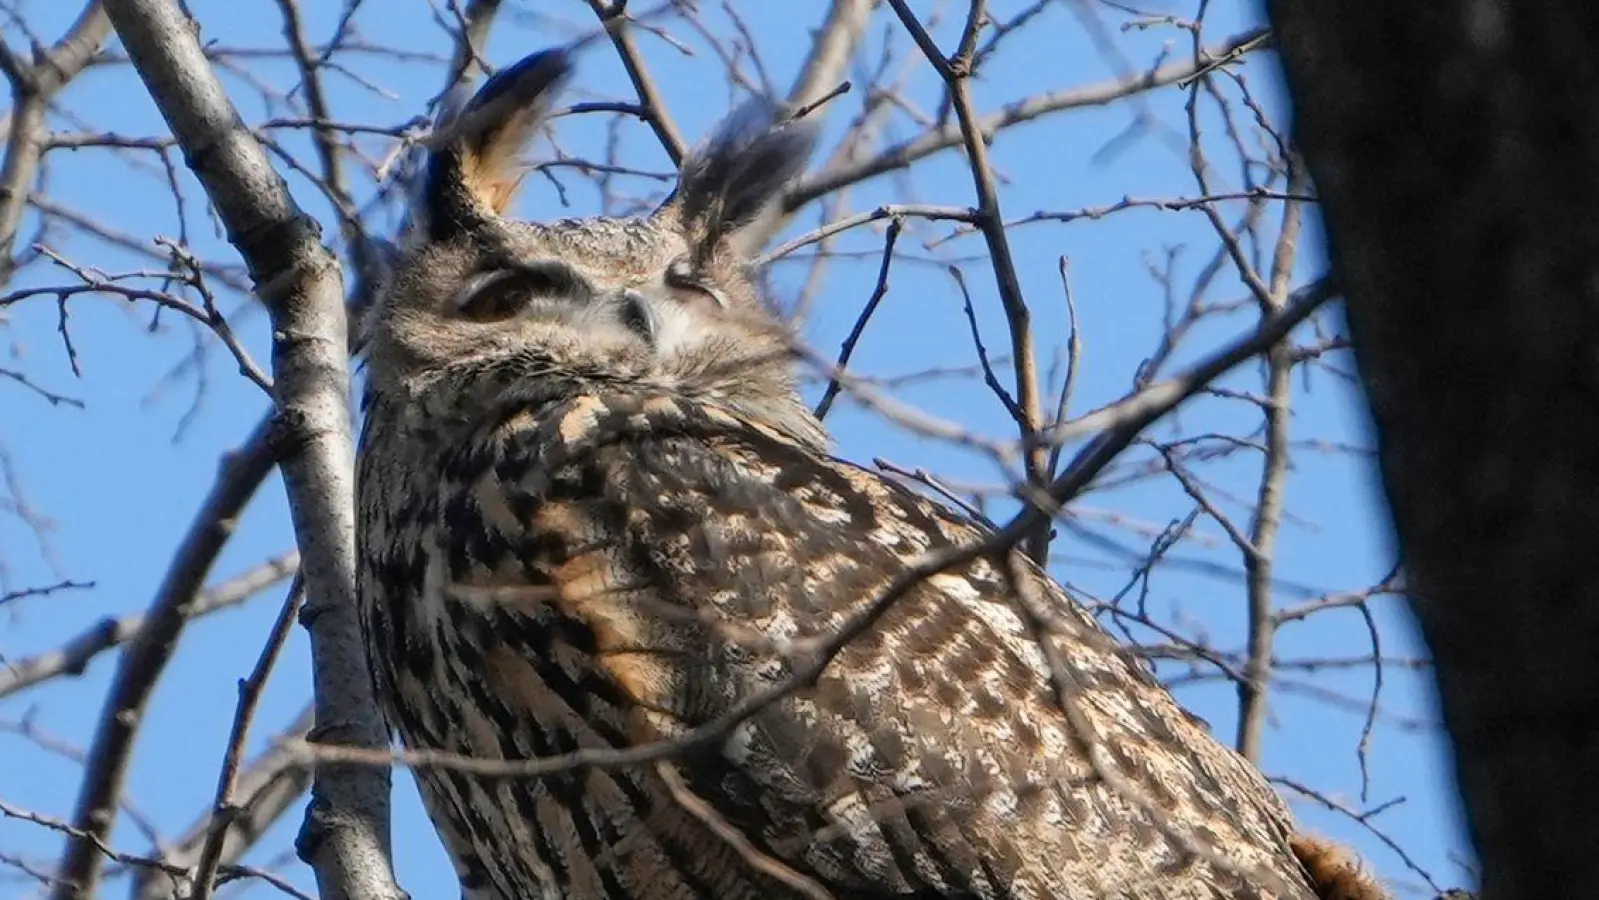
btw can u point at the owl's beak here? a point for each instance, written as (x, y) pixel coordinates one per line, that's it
(638, 315)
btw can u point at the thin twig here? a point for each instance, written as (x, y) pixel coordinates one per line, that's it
(879, 291)
(271, 785)
(72, 658)
(1026, 409)
(948, 135)
(227, 806)
(34, 88)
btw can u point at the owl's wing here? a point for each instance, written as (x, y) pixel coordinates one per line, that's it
(706, 560)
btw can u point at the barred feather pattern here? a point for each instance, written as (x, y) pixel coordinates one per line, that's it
(613, 567)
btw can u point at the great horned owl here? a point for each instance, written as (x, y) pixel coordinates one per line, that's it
(594, 513)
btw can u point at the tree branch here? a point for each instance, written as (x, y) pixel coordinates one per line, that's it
(1452, 144)
(270, 784)
(949, 134)
(1260, 558)
(227, 805)
(73, 657)
(146, 657)
(346, 836)
(832, 48)
(1027, 410)
(33, 88)
(613, 15)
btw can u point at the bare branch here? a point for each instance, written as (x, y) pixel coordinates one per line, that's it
(346, 838)
(66, 584)
(1027, 408)
(1269, 501)
(878, 293)
(61, 885)
(73, 657)
(146, 657)
(33, 88)
(227, 806)
(613, 15)
(832, 47)
(270, 786)
(947, 135)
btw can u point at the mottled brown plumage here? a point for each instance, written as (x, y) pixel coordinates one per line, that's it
(594, 513)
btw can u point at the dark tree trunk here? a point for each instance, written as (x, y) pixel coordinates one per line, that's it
(1455, 144)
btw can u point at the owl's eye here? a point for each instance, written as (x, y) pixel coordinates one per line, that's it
(497, 295)
(681, 275)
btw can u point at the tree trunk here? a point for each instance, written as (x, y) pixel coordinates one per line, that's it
(1456, 149)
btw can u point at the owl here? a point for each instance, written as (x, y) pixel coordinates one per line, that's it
(595, 515)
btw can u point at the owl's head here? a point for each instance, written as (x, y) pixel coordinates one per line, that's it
(481, 306)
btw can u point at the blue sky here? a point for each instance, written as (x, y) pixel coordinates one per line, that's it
(121, 487)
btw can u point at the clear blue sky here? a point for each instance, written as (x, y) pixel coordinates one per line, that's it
(121, 489)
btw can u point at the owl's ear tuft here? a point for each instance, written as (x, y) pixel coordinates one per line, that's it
(731, 186)
(472, 170)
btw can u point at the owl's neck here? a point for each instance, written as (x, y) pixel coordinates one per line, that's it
(440, 416)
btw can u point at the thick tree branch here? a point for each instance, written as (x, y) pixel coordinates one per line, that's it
(299, 281)
(146, 657)
(1453, 145)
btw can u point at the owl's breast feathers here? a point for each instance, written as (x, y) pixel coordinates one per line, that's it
(615, 571)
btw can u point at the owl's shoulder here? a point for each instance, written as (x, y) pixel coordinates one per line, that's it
(656, 441)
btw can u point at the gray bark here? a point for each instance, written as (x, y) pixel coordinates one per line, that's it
(346, 838)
